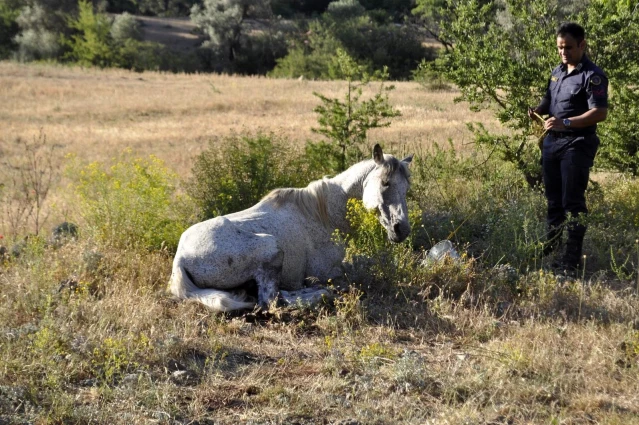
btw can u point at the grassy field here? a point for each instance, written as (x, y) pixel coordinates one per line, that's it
(88, 333)
(96, 114)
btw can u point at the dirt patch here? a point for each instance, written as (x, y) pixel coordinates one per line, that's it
(178, 34)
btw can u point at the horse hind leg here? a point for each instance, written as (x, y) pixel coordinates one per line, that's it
(217, 300)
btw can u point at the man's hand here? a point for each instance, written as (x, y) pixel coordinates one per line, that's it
(553, 123)
(534, 115)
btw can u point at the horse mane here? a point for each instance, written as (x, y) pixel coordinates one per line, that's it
(311, 200)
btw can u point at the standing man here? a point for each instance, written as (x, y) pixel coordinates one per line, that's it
(576, 100)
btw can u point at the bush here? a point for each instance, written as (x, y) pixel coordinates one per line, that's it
(235, 173)
(36, 44)
(41, 24)
(345, 9)
(8, 29)
(133, 202)
(429, 78)
(92, 43)
(453, 189)
(372, 256)
(125, 27)
(346, 122)
(371, 44)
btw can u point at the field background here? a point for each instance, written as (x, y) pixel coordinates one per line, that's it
(97, 113)
(108, 345)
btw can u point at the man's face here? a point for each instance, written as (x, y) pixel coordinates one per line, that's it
(569, 50)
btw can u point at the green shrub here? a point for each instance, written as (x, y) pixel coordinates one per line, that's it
(372, 45)
(42, 22)
(132, 202)
(125, 27)
(613, 227)
(372, 256)
(345, 9)
(92, 43)
(429, 78)
(453, 191)
(37, 44)
(8, 29)
(235, 173)
(345, 123)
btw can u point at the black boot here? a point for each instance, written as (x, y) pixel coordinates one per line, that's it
(553, 240)
(571, 260)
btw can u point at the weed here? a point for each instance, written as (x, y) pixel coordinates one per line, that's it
(26, 184)
(132, 202)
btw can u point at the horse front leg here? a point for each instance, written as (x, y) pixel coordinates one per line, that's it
(268, 278)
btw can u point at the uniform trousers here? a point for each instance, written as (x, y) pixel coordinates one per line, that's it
(566, 166)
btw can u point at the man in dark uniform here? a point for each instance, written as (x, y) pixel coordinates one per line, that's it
(576, 100)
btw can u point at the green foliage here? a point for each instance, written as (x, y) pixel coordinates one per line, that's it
(41, 23)
(395, 9)
(230, 42)
(290, 8)
(610, 26)
(347, 26)
(452, 189)
(368, 248)
(92, 43)
(125, 27)
(163, 7)
(147, 56)
(114, 357)
(485, 206)
(429, 79)
(345, 9)
(234, 174)
(499, 55)
(346, 122)
(8, 29)
(131, 203)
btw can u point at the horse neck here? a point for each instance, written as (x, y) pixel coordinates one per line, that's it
(352, 180)
(349, 184)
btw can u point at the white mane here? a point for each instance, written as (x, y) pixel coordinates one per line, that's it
(311, 200)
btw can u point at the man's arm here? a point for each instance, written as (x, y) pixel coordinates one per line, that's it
(587, 119)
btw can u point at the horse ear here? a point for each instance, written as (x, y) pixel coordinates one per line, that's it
(378, 155)
(408, 159)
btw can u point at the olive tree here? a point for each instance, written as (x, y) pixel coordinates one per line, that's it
(41, 22)
(223, 21)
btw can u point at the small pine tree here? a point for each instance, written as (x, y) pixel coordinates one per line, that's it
(91, 45)
(346, 122)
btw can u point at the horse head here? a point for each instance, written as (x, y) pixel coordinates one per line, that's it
(385, 190)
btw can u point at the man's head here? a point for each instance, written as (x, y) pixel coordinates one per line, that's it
(571, 43)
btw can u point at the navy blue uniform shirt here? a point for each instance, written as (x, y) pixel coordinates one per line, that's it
(572, 94)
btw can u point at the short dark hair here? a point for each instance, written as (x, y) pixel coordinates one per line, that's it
(575, 30)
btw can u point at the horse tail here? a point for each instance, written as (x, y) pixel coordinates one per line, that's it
(182, 286)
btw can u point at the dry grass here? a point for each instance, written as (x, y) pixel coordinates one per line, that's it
(90, 337)
(97, 113)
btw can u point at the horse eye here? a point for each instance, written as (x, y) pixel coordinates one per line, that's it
(385, 183)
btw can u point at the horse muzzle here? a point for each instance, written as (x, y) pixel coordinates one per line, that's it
(399, 232)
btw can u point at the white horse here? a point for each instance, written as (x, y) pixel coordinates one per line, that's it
(287, 237)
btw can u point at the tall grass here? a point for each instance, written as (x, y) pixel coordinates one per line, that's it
(88, 333)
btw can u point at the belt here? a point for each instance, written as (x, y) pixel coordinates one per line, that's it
(566, 134)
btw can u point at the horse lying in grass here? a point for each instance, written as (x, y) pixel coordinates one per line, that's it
(287, 237)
